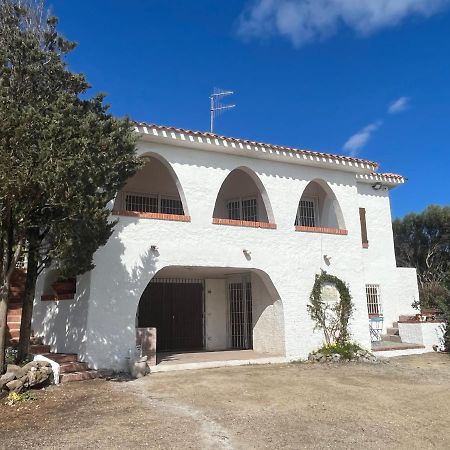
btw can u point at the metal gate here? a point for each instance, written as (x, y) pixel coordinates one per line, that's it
(175, 308)
(240, 314)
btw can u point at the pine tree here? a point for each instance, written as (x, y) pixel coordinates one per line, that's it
(62, 157)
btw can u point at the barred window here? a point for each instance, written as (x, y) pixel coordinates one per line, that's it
(243, 209)
(171, 206)
(307, 213)
(373, 300)
(153, 203)
(141, 203)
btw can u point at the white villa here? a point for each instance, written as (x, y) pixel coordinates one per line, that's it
(217, 244)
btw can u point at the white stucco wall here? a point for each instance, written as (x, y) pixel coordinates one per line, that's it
(63, 324)
(216, 314)
(289, 259)
(428, 334)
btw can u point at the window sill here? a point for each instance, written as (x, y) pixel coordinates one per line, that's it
(154, 216)
(244, 223)
(55, 298)
(338, 231)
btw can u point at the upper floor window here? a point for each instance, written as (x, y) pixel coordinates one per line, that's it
(243, 201)
(152, 203)
(319, 211)
(153, 189)
(307, 215)
(243, 209)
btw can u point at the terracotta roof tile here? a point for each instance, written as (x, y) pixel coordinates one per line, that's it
(258, 144)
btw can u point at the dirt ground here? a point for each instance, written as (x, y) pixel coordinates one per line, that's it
(404, 403)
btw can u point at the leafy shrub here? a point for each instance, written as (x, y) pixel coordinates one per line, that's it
(347, 350)
(15, 397)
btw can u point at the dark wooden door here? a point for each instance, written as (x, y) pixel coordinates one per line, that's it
(176, 311)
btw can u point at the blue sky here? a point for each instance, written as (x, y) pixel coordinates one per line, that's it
(363, 77)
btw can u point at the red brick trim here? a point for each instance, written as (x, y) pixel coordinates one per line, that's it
(244, 223)
(56, 298)
(155, 216)
(321, 230)
(365, 245)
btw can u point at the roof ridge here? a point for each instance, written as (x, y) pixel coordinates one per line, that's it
(256, 143)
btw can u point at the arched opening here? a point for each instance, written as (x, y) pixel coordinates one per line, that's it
(155, 188)
(212, 309)
(242, 197)
(319, 208)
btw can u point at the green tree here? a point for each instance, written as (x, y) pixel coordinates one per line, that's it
(423, 241)
(63, 157)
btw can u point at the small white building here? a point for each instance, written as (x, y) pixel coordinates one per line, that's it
(217, 244)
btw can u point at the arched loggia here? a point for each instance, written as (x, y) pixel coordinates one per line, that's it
(243, 197)
(155, 188)
(319, 207)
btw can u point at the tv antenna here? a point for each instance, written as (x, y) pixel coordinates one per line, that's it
(216, 106)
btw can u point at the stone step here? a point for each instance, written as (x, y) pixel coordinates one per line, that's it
(40, 349)
(79, 376)
(62, 357)
(390, 338)
(393, 331)
(69, 367)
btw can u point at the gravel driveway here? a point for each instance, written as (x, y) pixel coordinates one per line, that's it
(404, 403)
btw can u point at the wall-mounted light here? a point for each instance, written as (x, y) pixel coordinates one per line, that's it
(246, 252)
(377, 186)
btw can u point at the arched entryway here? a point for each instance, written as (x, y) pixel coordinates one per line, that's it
(213, 309)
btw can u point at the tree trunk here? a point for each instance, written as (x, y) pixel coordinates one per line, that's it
(4, 292)
(29, 294)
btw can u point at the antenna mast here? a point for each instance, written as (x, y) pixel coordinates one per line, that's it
(216, 106)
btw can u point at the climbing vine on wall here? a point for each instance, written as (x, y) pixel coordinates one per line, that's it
(331, 318)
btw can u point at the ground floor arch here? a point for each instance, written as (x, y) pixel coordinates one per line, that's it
(212, 309)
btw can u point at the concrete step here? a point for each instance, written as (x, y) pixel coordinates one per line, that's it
(62, 357)
(392, 331)
(79, 376)
(390, 338)
(40, 349)
(406, 318)
(70, 367)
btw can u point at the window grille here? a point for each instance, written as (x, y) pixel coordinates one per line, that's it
(234, 209)
(243, 209)
(141, 203)
(307, 213)
(171, 206)
(153, 203)
(249, 210)
(373, 300)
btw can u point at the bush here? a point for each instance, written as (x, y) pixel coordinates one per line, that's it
(346, 350)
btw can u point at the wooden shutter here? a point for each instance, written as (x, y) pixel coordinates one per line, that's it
(362, 220)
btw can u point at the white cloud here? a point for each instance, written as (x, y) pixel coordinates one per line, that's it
(398, 105)
(361, 138)
(303, 21)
